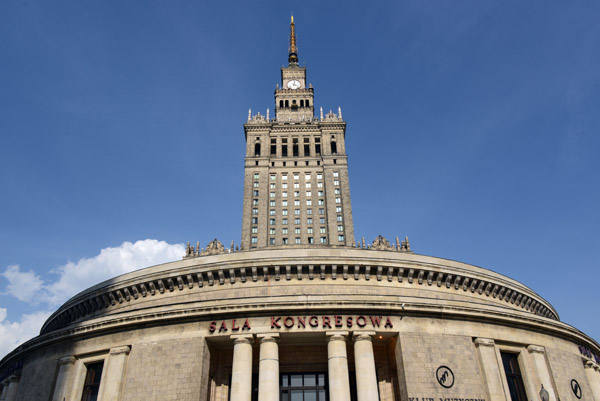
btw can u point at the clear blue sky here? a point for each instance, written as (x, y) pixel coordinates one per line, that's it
(473, 128)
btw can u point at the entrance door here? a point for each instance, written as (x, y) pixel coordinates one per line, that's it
(303, 386)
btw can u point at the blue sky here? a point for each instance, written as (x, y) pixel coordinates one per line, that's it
(472, 128)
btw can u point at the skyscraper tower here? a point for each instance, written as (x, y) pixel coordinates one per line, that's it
(296, 189)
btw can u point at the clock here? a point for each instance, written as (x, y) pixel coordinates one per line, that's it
(293, 84)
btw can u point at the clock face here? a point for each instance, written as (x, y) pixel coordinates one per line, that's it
(294, 84)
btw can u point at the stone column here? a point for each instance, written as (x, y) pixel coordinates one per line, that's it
(241, 371)
(337, 366)
(491, 368)
(64, 379)
(539, 361)
(268, 368)
(593, 378)
(364, 364)
(13, 387)
(114, 375)
(3, 390)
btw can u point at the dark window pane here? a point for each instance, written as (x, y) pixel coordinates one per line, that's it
(310, 380)
(321, 380)
(296, 380)
(310, 395)
(296, 395)
(284, 380)
(322, 395)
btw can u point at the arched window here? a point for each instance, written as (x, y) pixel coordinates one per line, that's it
(287, 103)
(307, 103)
(257, 149)
(301, 103)
(333, 148)
(281, 103)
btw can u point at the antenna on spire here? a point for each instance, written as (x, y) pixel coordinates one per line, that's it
(293, 52)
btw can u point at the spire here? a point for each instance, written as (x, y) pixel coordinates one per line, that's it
(293, 56)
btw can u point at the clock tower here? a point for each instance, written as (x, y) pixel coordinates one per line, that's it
(296, 190)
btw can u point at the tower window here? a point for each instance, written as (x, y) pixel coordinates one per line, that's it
(333, 148)
(301, 103)
(284, 150)
(295, 150)
(281, 103)
(306, 150)
(318, 148)
(287, 103)
(513, 376)
(257, 149)
(307, 103)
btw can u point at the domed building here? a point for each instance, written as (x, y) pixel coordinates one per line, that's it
(299, 311)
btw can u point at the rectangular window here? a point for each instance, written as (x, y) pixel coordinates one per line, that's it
(340, 228)
(254, 230)
(318, 149)
(340, 238)
(271, 231)
(272, 185)
(319, 176)
(310, 240)
(320, 193)
(337, 191)
(92, 381)
(284, 203)
(254, 202)
(309, 211)
(256, 176)
(307, 177)
(340, 218)
(256, 184)
(297, 240)
(272, 241)
(308, 202)
(272, 203)
(322, 220)
(284, 212)
(272, 212)
(296, 194)
(323, 240)
(284, 177)
(273, 177)
(272, 194)
(254, 240)
(254, 211)
(284, 185)
(308, 185)
(308, 194)
(513, 376)
(336, 174)
(321, 202)
(255, 220)
(284, 222)
(307, 150)
(284, 194)
(322, 230)
(296, 185)
(310, 230)
(255, 193)
(297, 221)
(297, 202)
(321, 211)
(272, 222)
(338, 209)
(284, 150)
(297, 212)
(297, 230)
(336, 183)
(284, 231)
(296, 176)
(285, 241)
(338, 200)
(319, 185)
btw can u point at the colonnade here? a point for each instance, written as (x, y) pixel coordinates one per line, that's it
(337, 365)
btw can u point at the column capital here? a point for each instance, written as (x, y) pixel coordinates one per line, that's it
(485, 342)
(363, 335)
(536, 348)
(120, 350)
(268, 337)
(337, 335)
(241, 338)
(67, 360)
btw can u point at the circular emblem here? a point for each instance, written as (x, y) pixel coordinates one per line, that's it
(445, 376)
(576, 388)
